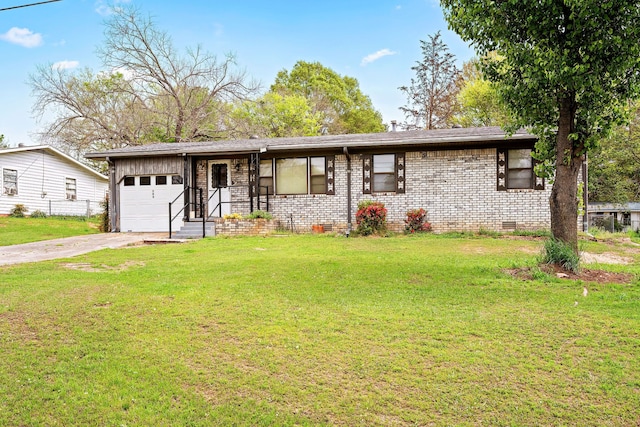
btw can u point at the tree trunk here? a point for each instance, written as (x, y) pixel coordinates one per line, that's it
(563, 200)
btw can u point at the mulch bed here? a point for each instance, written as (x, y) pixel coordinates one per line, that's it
(585, 274)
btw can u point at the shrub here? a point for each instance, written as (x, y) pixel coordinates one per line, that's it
(18, 211)
(371, 218)
(560, 253)
(259, 214)
(105, 224)
(38, 214)
(416, 221)
(232, 216)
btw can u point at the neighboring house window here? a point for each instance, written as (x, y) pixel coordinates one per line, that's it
(298, 175)
(383, 173)
(70, 188)
(516, 170)
(10, 182)
(129, 181)
(266, 177)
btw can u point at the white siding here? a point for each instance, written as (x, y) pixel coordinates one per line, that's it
(42, 171)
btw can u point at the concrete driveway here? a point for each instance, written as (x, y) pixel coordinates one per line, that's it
(72, 246)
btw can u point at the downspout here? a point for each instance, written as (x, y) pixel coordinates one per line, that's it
(345, 150)
(113, 197)
(185, 184)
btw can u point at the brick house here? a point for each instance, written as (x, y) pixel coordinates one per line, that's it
(466, 178)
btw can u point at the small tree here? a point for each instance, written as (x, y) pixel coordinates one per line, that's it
(431, 97)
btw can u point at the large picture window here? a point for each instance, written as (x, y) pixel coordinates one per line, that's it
(291, 176)
(297, 175)
(10, 182)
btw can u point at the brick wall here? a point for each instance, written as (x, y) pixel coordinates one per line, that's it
(456, 187)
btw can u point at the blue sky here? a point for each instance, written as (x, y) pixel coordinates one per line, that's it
(377, 42)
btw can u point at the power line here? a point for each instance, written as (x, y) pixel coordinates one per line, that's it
(27, 5)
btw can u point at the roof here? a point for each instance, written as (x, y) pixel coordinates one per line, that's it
(437, 138)
(614, 207)
(56, 152)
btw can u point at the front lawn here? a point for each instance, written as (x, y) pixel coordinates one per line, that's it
(14, 231)
(317, 330)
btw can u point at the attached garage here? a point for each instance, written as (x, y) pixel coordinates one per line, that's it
(144, 202)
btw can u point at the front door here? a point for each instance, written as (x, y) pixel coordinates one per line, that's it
(219, 192)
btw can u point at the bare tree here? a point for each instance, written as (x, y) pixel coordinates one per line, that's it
(151, 92)
(431, 97)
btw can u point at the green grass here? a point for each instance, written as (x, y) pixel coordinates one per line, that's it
(14, 231)
(316, 330)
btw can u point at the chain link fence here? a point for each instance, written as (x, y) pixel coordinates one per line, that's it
(85, 208)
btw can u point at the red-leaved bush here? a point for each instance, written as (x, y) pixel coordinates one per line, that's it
(371, 217)
(416, 221)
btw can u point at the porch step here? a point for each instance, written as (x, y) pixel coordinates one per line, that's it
(193, 230)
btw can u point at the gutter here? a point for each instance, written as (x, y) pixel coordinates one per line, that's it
(113, 197)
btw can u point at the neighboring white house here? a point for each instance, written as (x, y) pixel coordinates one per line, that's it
(626, 216)
(44, 178)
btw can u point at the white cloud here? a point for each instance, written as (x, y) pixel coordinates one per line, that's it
(218, 29)
(106, 8)
(22, 36)
(398, 6)
(375, 56)
(65, 65)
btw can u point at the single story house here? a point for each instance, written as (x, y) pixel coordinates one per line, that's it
(624, 216)
(46, 179)
(466, 178)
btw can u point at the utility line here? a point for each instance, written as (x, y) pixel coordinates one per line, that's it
(27, 5)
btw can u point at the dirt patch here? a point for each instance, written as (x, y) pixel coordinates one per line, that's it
(604, 258)
(81, 266)
(585, 274)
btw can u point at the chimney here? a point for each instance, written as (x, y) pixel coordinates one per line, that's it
(21, 145)
(393, 125)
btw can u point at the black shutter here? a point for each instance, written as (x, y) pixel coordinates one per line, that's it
(400, 173)
(330, 166)
(367, 170)
(501, 172)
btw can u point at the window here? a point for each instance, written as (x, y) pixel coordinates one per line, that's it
(519, 169)
(297, 175)
(291, 176)
(516, 170)
(10, 182)
(383, 173)
(145, 180)
(176, 180)
(70, 188)
(129, 181)
(317, 175)
(161, 180)
(266, 177)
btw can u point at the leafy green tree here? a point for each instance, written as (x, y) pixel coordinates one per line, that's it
(565, 69)
(339, 100)
(431, 96)
(478, 100)
(614, 166)
(274, 116)
(3, 144)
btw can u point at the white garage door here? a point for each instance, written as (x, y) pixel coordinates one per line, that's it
(144, 202)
